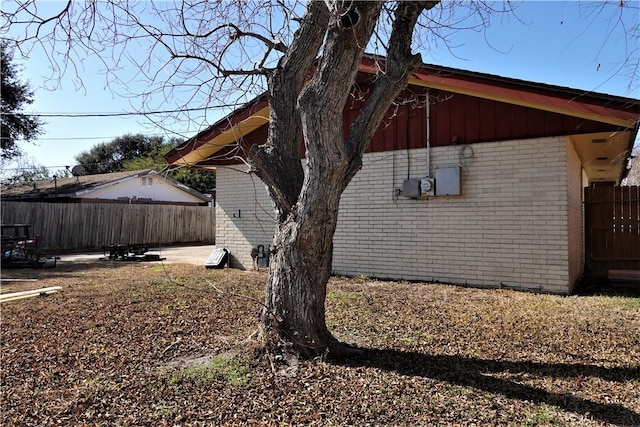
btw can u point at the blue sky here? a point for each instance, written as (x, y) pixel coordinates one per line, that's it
(562, 43)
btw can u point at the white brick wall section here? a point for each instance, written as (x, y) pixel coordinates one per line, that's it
(245, 212)
(509, 227)
(575, 194)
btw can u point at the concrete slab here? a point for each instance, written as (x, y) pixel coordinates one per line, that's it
(176, 254)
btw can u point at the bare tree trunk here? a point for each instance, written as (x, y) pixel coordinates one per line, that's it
(300, 267)
(302, 251)
(302, 248)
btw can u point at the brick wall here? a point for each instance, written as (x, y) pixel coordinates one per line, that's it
(575, 193)
(509, 227)
(246, 215)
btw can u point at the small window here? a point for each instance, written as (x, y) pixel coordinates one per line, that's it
(147, 181)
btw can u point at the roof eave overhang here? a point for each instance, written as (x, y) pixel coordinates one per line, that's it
(602, 114)
(446, 81)
(221, 134)
(209, 147)
(625, 167)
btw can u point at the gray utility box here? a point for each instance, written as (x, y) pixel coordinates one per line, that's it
(411, 188)
(448, 181)
(416, 188)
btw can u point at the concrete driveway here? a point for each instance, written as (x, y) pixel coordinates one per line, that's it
(174, 254)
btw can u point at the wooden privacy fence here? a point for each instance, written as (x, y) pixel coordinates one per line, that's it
(612, 228)
(71, 226)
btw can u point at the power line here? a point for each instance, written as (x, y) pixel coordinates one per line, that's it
(35, 168)
(70, 138)
(95, 137)
(123, 114)
(105, 114)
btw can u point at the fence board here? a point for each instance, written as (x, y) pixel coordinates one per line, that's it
(612, 228)
(72, 226)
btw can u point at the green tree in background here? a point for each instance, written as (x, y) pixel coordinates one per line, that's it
(14, 95)
(113, 156)
(136, 152)
(203, 181)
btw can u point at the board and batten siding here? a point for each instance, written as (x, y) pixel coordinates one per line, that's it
(74, 226)
(510, 226)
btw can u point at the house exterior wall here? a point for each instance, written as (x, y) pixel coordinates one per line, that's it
(509, 226)
(155, 189)
(575, 211)
(247, 217)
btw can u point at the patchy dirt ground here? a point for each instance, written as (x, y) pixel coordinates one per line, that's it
(155, 345)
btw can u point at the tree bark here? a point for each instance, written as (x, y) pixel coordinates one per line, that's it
(277, 162)
(300, 265)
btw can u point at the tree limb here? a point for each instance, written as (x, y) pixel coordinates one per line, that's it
(399, 65)
(278, 162)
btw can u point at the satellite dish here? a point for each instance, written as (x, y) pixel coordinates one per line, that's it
(78, 170)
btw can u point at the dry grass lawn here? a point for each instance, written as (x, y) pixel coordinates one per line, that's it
(148, 344)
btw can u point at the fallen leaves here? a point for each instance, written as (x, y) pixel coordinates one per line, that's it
(132, 345)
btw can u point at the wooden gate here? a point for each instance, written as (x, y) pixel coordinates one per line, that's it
(612, 228)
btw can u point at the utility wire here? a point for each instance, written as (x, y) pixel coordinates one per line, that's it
(38, 167)
(123, 114)
(106, 114)
(92, 137)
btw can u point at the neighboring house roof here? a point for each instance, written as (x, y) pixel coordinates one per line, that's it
(83, 186)
(610, 118)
